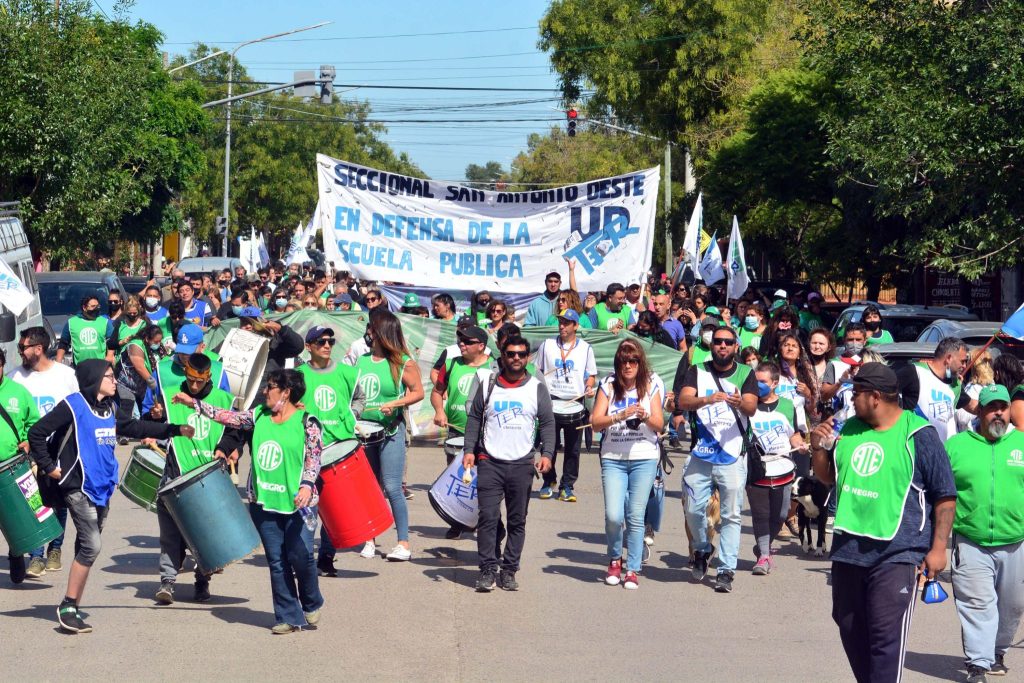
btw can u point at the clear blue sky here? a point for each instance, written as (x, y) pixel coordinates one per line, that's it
(504, 58)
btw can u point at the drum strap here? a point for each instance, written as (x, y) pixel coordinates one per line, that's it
(10, 423)
(483, 418)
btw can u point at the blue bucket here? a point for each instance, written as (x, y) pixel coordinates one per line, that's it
(211, 517)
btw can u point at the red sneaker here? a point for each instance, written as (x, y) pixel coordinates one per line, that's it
(614, 575)
(631, 582)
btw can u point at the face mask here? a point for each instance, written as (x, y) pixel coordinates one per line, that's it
(786, 325)
(751, 322)
(368, 339)
(873, 325)
(154, 347)
(763, 389)
(90, 314)
(237, 310)
(706, 338)
(152, 302)
(753, 363)
(949, 374)
(280, 303)
(114, 307)
(853, 348)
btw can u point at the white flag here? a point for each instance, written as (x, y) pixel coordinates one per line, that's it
(736, 264)
(711, 270)
(13, 292)
(297, 248)
(264, 254)
(691, 241)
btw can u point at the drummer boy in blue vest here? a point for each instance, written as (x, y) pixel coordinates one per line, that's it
(73, 445)
(184, 455)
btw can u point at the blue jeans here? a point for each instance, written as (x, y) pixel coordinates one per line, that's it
(388, 462)
(699, 479)
(627, 487)
(288, 544)
(57, 543)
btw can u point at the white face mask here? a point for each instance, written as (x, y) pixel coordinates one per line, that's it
(706, 337)
(152, 302)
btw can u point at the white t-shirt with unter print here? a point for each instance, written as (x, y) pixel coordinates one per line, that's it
(566, 367)
(48, 388)
(620, 441)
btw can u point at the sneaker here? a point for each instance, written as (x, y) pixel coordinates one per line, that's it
(701, 560)
(763, 566)
(648, 535)
(567, 495)
(614, 575)
(53, 561)
(369, 550)
(36, 568)
(975, 674)
(792, 526)
(545, 492)
(312, 618)
(122, 440)
(326, 566)
(165, 594)
(17, 568)
(830, 525)
(453, 534)
(673, 443)
(407, 492)
(201, 591)
(485, 582)
(507, 581)
(632, 582)
(645, 554)
(998, 669)
(283, 629)
(723, 582)
(70, 620)
(399, 554)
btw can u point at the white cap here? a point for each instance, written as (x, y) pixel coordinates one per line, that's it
(781, 294)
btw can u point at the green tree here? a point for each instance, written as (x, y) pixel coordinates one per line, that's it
(485, 176)
(97, 140)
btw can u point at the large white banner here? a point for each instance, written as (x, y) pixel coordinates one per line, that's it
(393, 228)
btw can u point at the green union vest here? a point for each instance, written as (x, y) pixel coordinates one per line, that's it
(197, 451)
(171, 375)
(874, 473)
(379, 388)
(124, 330)
(278, 456)
(328, 397)
(605, 318)
(88, 338)
(459, 379)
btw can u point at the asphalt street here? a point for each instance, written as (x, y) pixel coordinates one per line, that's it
(422, 620)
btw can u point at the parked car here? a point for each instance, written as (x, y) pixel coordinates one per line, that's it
(206, 265)
(904, 322)
(975, 333)
(15, 252)
(61, 293)
(133, 284)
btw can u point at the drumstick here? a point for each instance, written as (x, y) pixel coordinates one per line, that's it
(584, 426)
(234, 474)
(156, 449)
(467, 475)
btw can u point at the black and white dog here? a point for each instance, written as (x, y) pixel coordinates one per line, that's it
(812, 497)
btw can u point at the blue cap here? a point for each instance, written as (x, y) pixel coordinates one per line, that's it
(569, 314)
(250, 312)
(189, 338)
(315, 333)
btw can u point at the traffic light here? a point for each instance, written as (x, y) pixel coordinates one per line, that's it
(570, 119)
(220, 226)
(327, 85)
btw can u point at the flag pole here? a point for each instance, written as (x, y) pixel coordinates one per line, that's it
(980, 352)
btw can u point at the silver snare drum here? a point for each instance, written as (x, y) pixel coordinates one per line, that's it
(369, 433)
(568, 413)
(453, 446)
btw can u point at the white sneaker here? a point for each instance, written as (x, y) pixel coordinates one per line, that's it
(369, 550)
(399, 554)
(648, 535)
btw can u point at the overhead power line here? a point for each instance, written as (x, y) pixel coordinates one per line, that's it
(392, 35)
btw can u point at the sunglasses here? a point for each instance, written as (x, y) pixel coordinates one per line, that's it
(631, 361)
(330, 341)
(517, 354)
(23, 348)
(372, 299)
(723, 342)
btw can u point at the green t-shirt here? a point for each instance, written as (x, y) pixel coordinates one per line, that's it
(883, 338)
(124, 330)
(584, 321)
(328, 397)
(750, 338)
(605, 318)
(989, 487)
(21, 406)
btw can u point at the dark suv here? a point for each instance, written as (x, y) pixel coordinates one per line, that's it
(904, 322)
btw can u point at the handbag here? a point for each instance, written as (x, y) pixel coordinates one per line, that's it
(753, 451)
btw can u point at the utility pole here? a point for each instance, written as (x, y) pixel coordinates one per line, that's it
(668, 209)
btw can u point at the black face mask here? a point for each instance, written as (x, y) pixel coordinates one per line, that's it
(114, 308)
(91, 313)
(873, 325)
(643, 333)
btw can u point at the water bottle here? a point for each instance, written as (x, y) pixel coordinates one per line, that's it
(838, 420)
(309, 517)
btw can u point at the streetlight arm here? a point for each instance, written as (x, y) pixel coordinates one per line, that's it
(263, 91)
(279, 35)
(201, 59)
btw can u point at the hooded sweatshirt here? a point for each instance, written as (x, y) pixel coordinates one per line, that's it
(53, 440)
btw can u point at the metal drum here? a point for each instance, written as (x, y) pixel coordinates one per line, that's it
(453, 447)
(25, 522)
(211, 517)
(369, 433)
(454, 500)
(141, 477)
(244, 355)
(568, 413)
(352, 506)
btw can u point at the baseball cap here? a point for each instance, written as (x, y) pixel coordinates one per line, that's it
(570, 315)
(712, 310)
(250, 312)
(315, 333)
(876, 377)
(473, 333)
(781, 294)
(993, 392)
(343, 298)
(410, 300)
(189, 338)
(465, 321)
(814, 296)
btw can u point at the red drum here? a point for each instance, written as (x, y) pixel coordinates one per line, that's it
(352, 506)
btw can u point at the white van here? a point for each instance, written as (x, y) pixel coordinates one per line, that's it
(14, 250)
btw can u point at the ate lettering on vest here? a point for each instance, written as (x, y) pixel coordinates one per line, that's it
(328, 397)
(278, 456)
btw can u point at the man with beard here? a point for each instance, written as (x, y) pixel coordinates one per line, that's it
(988, 555)
(719, 391)
(86, 333)
(932, 388)
(612, 314)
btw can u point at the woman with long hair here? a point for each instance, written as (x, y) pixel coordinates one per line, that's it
(496, 312)
(136, 367)
(977, 378)
(569, 299)
(390, 380)
(649, 327)
(783, 320)
(821, 349)
(628, 411)
(797, 382)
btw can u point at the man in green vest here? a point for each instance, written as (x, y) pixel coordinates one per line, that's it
(895, 503)
(988, 533)
(612, 314)
(334, 397)
(184, 455)
(86, 333)
(170, 372)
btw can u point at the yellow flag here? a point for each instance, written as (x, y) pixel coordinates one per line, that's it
(705, 240)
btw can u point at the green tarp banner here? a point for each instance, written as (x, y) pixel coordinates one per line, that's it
(427, 338)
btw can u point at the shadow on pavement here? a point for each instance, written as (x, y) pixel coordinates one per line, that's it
(28, 585)
(666, 574)
(587, 573)
(133, 563)
(673, 560)
(947, 667)
(445, 556)
(461, 576)
(588, 557)
(243, 615)
(584, 537)
(350, 574)
(44, 612)
(145, 590)
(143, 542)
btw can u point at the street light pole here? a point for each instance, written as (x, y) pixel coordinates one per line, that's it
(227, 136)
